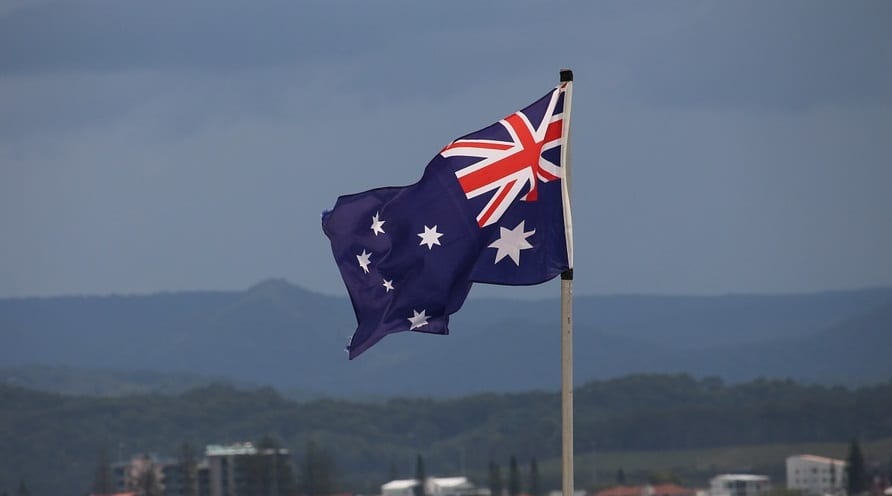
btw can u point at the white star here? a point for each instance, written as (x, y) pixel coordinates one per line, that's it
(388, 285)
(430, 237)
(377, 224)
(510, 242)
(419, 319)
(364, 260)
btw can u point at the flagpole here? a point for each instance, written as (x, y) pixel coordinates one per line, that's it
(567, 300)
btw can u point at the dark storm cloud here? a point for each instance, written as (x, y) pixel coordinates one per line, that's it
(765, 53)
(175, 145)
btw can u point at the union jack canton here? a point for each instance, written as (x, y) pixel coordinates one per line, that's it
(488, 209)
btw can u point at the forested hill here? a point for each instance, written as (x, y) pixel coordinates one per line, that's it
(53, 441)
(279, 334)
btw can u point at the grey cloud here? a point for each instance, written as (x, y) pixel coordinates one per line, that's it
(218, 35)
(226, 35)
(791, 54)
(773, 54)
(159, 145)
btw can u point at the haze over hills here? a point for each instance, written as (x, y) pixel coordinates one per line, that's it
(280, 334)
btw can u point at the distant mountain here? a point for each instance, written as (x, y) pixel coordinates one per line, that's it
(72, 381)
(857, 350)
(279, 334)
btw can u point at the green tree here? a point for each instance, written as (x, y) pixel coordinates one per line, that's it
(23, 489)
(317, 471)
(621, 477)
(534, 477)
(420, 476)
(513, 477)
(284, 480)
(188, 469)
(495, 479)
(856, 472)
(889, 471)
(102, 476)
(392, 473)
(147, 483)
(663, 477)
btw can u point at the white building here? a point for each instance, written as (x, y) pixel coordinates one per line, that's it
(739, 485)
(133, 474)
(434, 486)
(450, 486)
(400, 487)
(226, 470)
(816, 475)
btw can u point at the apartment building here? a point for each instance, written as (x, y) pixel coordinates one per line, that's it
(739, 485)
(816, 475)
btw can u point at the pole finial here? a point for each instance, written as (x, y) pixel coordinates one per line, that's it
(566, 75)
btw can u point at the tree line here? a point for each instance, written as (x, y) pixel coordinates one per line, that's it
(43, 437)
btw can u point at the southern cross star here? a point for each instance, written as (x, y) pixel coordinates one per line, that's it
(388, 285)
(510, 242)
(377, 224)
(364, 260)
(419, 319)
(430, 237)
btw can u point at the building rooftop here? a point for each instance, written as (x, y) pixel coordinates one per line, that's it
(444, 482)
(400, 484)
(663, 489)
(656, 490)
(742, 477)
(240, 449)
(816, 458)
(230, 449)
(620, 491)
(450, 481)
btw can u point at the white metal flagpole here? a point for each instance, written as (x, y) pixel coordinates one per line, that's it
(567, 299)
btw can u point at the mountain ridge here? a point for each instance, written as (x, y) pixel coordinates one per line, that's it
(292, 338)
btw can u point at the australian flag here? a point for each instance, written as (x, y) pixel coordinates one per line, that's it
(489, 208)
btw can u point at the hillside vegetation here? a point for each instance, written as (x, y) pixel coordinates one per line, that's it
(52, 441)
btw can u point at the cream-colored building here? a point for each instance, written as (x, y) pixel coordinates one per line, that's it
(816, 475)
(739, 485)
(226, 472)
(434, 486)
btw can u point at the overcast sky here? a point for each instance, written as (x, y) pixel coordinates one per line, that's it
(167, 145)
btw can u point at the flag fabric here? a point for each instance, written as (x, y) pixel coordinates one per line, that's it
(488, 208)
